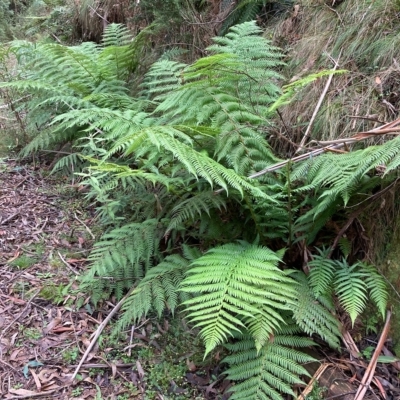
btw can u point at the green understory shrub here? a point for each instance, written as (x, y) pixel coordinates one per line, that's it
(171, 169)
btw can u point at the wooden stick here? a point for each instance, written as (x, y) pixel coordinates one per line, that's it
(98, 333)
(86, 227)
(318, 106)
(369, 373)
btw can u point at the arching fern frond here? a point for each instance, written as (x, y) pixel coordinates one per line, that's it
(158, 291)
(196, 163)
(122, 256)
(322, 272)
(376, 286)
(194, 207)
(116, 35)
(351, 288)
(233, 284)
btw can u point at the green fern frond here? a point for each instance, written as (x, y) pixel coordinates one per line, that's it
(194, 207)
(270, 372)
(196, 163)
(158, 291)
(322, 272)
(163, 77)
(243, 12)
(377, 287)
(351, 289)
(345, 246)
(116, 35)
(311, 316)
(121, 257)
(233, 283)
(47, 138)
(72, 162)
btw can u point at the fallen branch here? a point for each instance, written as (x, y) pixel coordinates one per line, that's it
(369, 373)
(98, 333)
(32, 395)
(19, 315)
(384, 129)
(318, 106)
(67, 265)
(308, 389)
(86, 227)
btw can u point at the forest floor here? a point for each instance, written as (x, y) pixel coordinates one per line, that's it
(45, 238)
(47, 325)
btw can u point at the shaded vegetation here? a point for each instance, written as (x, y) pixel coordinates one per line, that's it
(188, 160)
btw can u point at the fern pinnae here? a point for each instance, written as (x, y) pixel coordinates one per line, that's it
(321, 273)
(377, 287)
(267, 373)
(351, 289)
(313, 317)
(233, 287)
(158, 291)
(193, 207)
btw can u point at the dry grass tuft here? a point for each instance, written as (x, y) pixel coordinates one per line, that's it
(366, 36)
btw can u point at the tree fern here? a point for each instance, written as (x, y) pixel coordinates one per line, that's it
(233, 290)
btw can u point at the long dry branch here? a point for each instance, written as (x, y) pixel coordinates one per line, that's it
(369, 373)
(318, 106)
(358, 137)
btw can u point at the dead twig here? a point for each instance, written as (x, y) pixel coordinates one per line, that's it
(314, 379)
(369, 373)
(101, 366)
(67, 265)
(98, 333)
(313, 153)
(32, 395)
(114, 369)
(86, 227)
(318, 106)
(19, 315)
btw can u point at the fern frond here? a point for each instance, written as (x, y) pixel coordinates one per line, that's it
(377, 287)
(116, 35)
(196, 163)
(235, 282)
(267, 373)
(351, 289)
(47, 138)
(194, 207)
(311, 316)
(158, 291)
(72, 162)
(321, 273)
(121, 257)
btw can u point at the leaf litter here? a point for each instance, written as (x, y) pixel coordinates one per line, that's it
(45, 237)
(46, 340)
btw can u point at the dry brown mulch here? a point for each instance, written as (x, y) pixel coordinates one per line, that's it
(44, 239)
(45, 236)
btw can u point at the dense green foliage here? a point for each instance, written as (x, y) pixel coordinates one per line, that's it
(169, 166)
